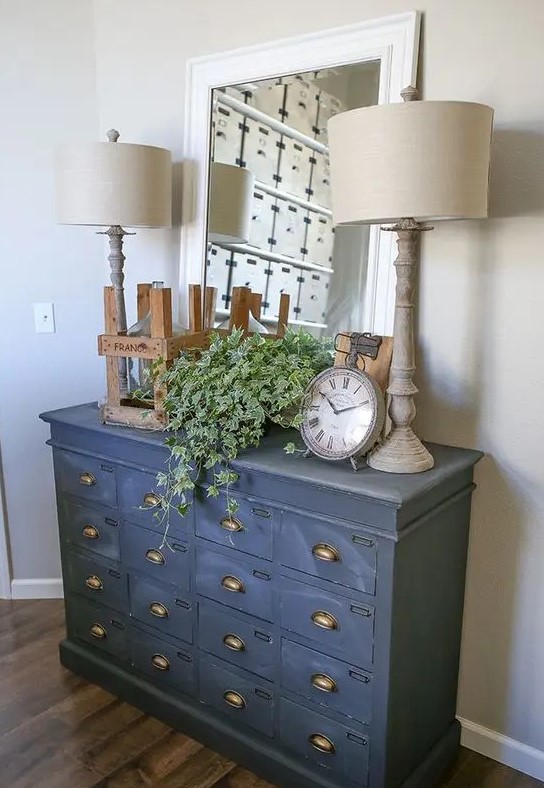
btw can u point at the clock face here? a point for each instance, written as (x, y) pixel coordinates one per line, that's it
(343, 413)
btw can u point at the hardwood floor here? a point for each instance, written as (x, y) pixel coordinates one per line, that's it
(58, 731)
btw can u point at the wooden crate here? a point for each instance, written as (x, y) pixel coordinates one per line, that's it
(162, 348)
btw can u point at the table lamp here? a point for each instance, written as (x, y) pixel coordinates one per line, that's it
(231, 198)
(116, 185)
(408, 163)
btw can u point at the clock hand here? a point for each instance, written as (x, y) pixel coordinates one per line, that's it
(330, 403)
(352, 407)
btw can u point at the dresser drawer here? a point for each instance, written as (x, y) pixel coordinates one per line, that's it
(246, 701)
(101, 582)
(249, 530)
(236, 640)
(325, 742)
(161, 606)
(91, 526)
(86, 477)
(142, 551)
(140, 502)
(337, 623)
(167, 664)
(99, 627)
(329, 550)
(243, 584)
(326, 680)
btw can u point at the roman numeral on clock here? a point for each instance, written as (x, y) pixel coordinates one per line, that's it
(319, 436)
(345, 383)
(332, 382)
(330, 442)
(314, 422)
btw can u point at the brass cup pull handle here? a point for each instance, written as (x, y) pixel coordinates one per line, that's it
(160, 662)
(231, 583)
(324, 620)
(94, 583)
(87, 479)
(323, 682)
(231, 524)
(325, 552)
(98, 631)
(234, 643)
(90, 532)
(158, 609)
(234, 699)
(155, 557)
(322, 743)
(151, 500)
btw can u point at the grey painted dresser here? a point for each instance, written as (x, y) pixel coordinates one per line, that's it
(314, 639)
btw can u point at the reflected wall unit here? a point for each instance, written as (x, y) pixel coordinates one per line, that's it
(313, 638)
(278, 132)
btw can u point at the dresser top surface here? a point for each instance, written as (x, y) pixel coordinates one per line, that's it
(270, 458)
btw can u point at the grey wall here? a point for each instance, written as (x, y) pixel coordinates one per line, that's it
(47, 95)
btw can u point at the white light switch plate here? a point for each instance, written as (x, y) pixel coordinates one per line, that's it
(44, 318)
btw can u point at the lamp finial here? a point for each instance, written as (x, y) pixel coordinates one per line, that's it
(113, 135)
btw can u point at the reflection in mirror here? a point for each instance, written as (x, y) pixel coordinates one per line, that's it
(270, 229)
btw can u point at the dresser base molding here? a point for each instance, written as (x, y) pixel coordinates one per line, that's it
(441, 757)
(218, 734)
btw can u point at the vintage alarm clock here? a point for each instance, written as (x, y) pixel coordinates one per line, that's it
(343, 411)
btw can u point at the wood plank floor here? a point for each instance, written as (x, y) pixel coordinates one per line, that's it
(58, 731)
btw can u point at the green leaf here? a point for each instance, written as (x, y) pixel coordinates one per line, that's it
(232, 506)
(219, 400)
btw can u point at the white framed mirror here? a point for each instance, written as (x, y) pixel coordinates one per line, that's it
(340, 282)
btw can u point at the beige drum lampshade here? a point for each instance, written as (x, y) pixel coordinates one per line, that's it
(114, 183)
(231, 198)
(425, 160)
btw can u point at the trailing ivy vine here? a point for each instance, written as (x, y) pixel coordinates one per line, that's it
(220, 400)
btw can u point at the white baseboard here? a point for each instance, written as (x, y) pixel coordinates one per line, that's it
(503, 749)
(46, 588)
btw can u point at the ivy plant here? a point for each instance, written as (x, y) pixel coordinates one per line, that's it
(220, 400)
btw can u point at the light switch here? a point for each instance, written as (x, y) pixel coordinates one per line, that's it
(44, 318)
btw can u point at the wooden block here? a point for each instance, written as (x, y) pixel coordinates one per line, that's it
(150, 347)
(210, 302)
(132, 417)
(255, 303)
(283, 317)
(159, 391)
(185, 342)
(160, 304)
(195, 309)
(142, 299)
(377, 368)
(131, 347)
(110, 313)
(112, 381)
(239, 308)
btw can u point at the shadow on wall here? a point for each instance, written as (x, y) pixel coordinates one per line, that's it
(516, 185)
(453, 395)
(177, 192)
(497, 629)
(497, 541)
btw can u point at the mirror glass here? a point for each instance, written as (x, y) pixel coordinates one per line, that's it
(270, 227)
